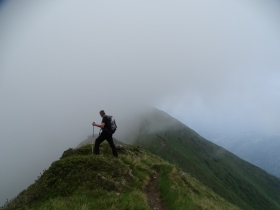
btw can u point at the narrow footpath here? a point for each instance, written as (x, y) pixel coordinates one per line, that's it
(152, 193)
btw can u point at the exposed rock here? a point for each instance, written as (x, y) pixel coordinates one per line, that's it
(130, 173)
(181, 173)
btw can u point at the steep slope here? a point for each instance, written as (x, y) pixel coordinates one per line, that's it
(260, 150)
(236, 180)
(80, 180)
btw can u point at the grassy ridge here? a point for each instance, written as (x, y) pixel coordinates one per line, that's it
(80, 175)
(181, 191)
(80, 180)
(239, 182)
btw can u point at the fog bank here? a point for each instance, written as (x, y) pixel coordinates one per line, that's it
(212, 65)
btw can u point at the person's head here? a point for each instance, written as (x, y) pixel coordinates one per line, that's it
(102, 113)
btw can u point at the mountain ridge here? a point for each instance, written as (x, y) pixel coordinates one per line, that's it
(80, 180)
(234, 179)
(198, 175)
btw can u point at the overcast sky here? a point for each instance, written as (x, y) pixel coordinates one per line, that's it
(214, 65)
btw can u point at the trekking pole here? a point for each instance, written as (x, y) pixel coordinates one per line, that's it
(92, 139)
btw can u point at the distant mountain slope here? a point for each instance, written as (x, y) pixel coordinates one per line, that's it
(80, 180)
(260, 150)
(236, 180)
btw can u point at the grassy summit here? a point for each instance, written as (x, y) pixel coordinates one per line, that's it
(80, 180)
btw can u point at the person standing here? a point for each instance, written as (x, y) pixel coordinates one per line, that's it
(106, 134)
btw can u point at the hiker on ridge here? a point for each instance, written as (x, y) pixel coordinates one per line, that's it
(106, 134)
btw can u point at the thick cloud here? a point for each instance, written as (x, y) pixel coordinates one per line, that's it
(213, 65)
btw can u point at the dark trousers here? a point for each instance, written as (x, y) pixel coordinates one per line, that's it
(105, 136)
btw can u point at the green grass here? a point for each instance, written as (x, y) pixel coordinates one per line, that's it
(97, 199)
(234, 179)
(181, 191)
(213, 177)
(80, 180)
(79, 170)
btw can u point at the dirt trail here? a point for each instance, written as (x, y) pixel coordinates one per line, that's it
(153, 195)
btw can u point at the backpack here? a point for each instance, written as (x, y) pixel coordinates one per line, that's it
(112, 124)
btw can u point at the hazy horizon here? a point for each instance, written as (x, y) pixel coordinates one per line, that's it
(212, 65)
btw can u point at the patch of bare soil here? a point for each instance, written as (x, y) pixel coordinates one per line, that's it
(152, 193)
